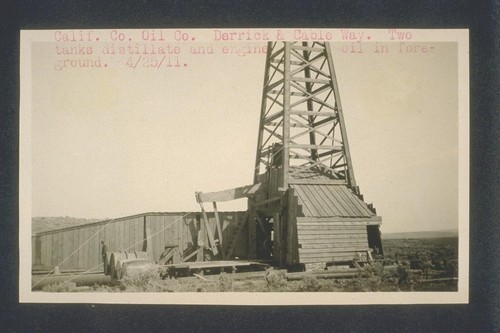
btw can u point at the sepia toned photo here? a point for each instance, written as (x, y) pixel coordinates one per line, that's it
(287, 166)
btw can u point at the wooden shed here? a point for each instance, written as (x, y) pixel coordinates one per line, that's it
(79, 248)
(311, 222)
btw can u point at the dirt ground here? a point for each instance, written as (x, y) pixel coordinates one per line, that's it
(415, 265)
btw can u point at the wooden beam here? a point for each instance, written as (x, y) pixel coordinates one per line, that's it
(273, 133)
(201, 242)
(291, 125)
(192, 254)
(286, 114)
(330, 152)
(307, 48)
(310, 253)
(338, 104)
(374, 220)
(269, 211)
(305, 63)
(235, 276)
(293, 62)
(323, 121)
(272, 117)
(252, 238)
(263, 108)
(301, 146)
(168, 256)
(310, 62)
(217, 221)
(149, 242)
(291, 222)
(275, 54)
(314, 113)
(261, 225)
(295, 235)
(314, 95)
(310, 105)
(310, 80)
(328, 275)
(200, 277)
(231, 194)
(311, 131)
(211, 239)
(277, 233)
(274, 99)
(318, 181)
(292, 93)
(275, 84)
(233, 241)
(265, 202)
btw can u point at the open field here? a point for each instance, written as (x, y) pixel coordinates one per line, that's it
(410, 265)
(430, 260)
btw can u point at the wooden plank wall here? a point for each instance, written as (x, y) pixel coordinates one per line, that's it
(127, 234)
(331, 239)
(230, 222)
(35, 250)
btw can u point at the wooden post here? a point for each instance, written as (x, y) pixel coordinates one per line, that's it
(295, 234)
(217, 221)
(180, 237)
(291, 228)
(252, 237)
(209, 231)
(201, 241)
(38, 250)
(206, 228)
(144, 236)
(310, 104)
(262, 114)
(277, 238)
(350, 176)
(149, 245)
(286, 117)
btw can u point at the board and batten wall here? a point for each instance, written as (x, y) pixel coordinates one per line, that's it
(79, 247)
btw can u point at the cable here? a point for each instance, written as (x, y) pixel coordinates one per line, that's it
(75, 251)
(133, 245)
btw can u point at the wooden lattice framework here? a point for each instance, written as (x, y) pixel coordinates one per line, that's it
(310, 209)
(301, 123)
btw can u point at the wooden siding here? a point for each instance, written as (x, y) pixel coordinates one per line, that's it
(332, 239)
(329, 200)
(79, 247)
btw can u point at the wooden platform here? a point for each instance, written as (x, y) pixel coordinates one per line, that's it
(213, 267)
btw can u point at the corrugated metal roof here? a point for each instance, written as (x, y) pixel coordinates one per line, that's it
(330, 200)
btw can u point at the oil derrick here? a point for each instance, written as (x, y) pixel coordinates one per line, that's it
(309, 209)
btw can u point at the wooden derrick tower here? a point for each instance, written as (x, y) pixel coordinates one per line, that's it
(308, 208)
(304, 206)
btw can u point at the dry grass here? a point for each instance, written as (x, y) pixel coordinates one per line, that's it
(436, 259)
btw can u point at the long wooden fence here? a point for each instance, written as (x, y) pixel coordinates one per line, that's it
(79, 247)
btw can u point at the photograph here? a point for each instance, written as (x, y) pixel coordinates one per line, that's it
(288, 166)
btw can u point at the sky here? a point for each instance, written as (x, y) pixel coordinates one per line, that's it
(115, 141)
